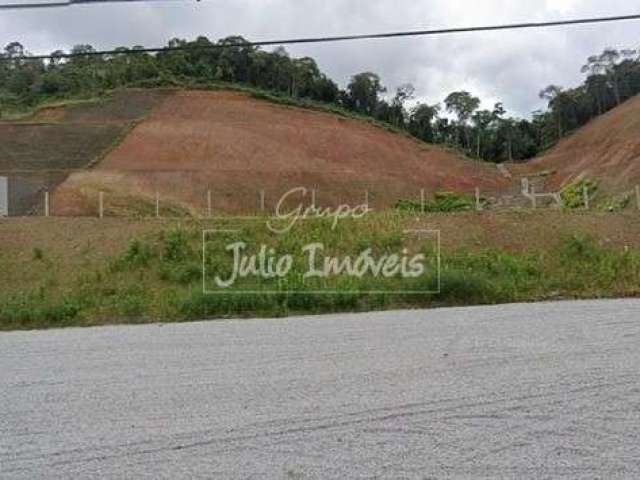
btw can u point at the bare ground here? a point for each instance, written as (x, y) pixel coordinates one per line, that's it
(606, 149)
(237, 146)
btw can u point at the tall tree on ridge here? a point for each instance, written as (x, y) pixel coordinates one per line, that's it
(462, 104)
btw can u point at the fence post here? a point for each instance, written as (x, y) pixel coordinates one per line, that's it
(478, 202)
(534, 199)
(638, 195)
(46, 203)
(262, 200)
(585, 194)
(101, 204)
(313, 198)
(209, 203)
(559, 200)
(423, 201)
(157, 204)
(366, 198)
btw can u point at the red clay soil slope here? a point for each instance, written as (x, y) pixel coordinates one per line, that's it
(607, 149)
(236, 146)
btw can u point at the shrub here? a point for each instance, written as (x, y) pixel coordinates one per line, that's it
(488, 277)
(38, 254)
(580, 248)
(573, 194)
(34, 310)
(442, 202)
(464, 287)
(137, 254)
(131, 303)
(181, 273)
(176, 246)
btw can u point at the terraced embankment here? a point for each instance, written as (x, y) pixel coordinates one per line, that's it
(38, 153)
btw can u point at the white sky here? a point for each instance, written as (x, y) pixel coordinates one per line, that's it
(508, 66)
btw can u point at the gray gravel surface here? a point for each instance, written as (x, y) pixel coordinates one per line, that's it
(518, 391)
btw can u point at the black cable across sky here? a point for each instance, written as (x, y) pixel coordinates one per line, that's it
(343, 38)
(67, 3)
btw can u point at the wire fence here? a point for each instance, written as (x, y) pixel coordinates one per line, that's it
(186, 195)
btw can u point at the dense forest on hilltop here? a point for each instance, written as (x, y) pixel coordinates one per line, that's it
(611, 77)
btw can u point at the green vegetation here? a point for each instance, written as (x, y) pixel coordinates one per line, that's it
(36, 310)
(445, 202)
(38, 254)
(573, 197)
(492, 135)
(158, 277)
(23, 110)
(573, 194)
(617, 203)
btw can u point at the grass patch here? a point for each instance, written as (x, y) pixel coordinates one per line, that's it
(38, 310)
(157, 276)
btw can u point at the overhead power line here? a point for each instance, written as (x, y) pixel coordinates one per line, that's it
(342, 38)
(67, 3)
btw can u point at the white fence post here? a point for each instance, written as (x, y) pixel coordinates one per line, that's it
(209, 204)
(157, 204)
(366, 198)
(559, 201)
(262, 201)
(46, 203)
(478, 202)
(585, 194)
(101, 204)
(313, 198)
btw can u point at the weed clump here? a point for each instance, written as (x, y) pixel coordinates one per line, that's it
(176, 247)
(617, 203)
(444, 202)
(137, 255)
(573, 194)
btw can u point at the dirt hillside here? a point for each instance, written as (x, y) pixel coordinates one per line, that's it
(236, 146)
(607, 149)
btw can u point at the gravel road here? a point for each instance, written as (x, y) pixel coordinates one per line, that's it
(508, 392)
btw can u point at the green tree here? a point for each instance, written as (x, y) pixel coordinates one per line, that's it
(609, 61)
(421, 121)
(462, 104)
(363, 92)
(482, 120)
